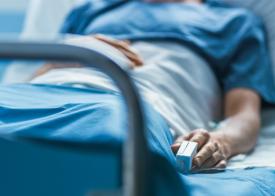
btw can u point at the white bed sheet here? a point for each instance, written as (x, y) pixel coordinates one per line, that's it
(264, 153)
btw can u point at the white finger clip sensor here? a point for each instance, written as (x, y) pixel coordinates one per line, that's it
(185, 155)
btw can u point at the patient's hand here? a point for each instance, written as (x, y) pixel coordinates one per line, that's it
(213, 151)
(50, 66)
(237, 135)
(124, 47)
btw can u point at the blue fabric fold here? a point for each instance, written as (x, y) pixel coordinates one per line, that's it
(92, 116)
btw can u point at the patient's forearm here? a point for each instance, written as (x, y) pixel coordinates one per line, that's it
(237, 135)
(240, 129)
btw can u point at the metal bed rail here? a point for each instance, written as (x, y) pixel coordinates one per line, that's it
(135, 150)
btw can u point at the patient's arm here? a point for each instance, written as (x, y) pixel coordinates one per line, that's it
(237, 135)
(242, 109)
(122, 45)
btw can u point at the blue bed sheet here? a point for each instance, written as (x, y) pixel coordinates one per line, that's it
(93, 116)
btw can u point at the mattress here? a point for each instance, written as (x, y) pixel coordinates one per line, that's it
(59, 118)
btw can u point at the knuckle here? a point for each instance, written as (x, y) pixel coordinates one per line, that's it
(201, 131)
(216, 144)
(198, 160)
(201, 136)
(222, 155)
(211, 148)
(196, 139)
(179, 139)
(205, 133)
(208, 148)
(217, 157)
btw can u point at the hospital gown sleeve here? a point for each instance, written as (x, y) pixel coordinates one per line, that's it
(251, 66)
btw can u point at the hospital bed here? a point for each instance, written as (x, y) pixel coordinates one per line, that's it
(33, 165)
(37, 166)
(136, 152)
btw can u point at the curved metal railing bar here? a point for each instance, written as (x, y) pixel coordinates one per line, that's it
(135, 153)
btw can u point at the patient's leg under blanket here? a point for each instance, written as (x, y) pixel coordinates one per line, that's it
(93, 116)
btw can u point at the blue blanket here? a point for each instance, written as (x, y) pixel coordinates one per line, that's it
(93, 116)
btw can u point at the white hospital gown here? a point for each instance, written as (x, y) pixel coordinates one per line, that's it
(174, 80)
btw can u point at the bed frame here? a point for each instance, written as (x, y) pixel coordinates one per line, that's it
(135, 150)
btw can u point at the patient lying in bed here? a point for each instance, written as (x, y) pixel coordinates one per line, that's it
(159, 46)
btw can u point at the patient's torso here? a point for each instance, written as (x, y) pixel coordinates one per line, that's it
(231, 40)
(179, 83)
(210, 29)
(174, 80)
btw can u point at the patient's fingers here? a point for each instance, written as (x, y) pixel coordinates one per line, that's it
(122, 46)
(200, 136)
(189, 136)
(175, 147)
(50, 66)
(182, 138)
(213, 160)
(210, 152)
(204, 154)
(221, 164)
(131, 56)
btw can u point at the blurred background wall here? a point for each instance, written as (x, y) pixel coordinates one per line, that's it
(12, 14)
(30, 19)
(13, 4)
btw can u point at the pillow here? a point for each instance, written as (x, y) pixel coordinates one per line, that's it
(44, 18)
(266, 10)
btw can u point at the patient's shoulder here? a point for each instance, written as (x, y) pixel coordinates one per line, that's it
(239, 17)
